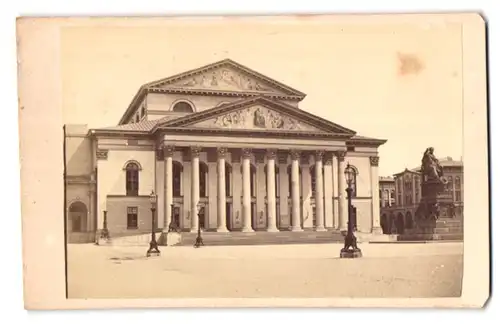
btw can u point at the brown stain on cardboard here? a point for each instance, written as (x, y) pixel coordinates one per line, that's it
(409, 64)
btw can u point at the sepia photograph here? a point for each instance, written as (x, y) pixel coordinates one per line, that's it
(266, 157)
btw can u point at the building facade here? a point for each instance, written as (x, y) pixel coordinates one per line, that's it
(396, 218)
(228, 138)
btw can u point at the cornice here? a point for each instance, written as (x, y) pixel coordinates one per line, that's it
(210, 92)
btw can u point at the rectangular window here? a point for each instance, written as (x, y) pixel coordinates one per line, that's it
(458, 196)
(132, 218)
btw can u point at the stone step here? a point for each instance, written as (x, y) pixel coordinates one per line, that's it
(431, 237)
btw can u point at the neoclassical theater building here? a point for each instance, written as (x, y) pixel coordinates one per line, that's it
(228, 138)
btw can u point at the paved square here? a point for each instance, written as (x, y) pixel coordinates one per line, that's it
(301, 271)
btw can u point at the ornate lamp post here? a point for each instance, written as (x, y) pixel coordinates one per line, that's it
(199, 240)
(350, 249)
(105, 231)
(153, 245)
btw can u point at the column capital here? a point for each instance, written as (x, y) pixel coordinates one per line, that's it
(246, 152)
(327, 160)
(102, 154)
(221, 152)
(318, 155)
(160, 156)
(374, 160)
(282, 158)
(295, 154)
(168, 151)
(271, 154)
(340, 155)
(195, 151)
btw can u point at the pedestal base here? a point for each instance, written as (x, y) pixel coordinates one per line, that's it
(350, 253)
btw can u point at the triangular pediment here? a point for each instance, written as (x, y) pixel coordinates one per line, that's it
(225, 76)
(258, 114)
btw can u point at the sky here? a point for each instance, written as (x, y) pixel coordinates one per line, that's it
(399, 82)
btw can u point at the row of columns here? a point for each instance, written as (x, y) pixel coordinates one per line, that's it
(271, 185)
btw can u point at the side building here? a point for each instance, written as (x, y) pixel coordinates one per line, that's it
(397, 217)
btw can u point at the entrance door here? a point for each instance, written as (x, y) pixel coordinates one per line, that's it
(253, 214)
(202, 217)
(176, 216)
(229, 214)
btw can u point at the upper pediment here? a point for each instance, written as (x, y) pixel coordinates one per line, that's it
(258, 114)
(225, 76)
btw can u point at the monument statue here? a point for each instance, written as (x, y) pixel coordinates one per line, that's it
(431, 168)
(435, 200)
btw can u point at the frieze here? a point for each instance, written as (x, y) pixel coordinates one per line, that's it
(102, 154)
(256, 117)
(374, 160)
(223, 79)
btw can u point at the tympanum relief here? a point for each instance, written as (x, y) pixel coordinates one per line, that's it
(223, 79)
(256, 117)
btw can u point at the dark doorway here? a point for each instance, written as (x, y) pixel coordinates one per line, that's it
(229, 212)
(201, 218)
(176, 216)
(253, 214)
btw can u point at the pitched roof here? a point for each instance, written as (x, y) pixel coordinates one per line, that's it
(152, 86)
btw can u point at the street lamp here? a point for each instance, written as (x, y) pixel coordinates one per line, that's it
(199, 240)
(153, 245)
(350, 249)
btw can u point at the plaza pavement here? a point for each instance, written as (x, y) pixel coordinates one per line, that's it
(293, 271)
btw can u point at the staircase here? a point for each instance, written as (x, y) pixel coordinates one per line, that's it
(443, 229)
(263, 238)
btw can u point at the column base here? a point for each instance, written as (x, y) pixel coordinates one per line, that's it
(194, 230)
(247, 230)
(377, 230)
(297, 229)
(320, 229)
(272, 229)
(222, 230)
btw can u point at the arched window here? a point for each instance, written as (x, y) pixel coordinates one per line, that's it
(177, 179)
(203, 180)
(132, 179)
(449, 185)
(276, 180)
(289, 172)
(183, 106)
(77, 217)
(229, 178)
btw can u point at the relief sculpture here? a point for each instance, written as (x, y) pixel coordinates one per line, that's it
(224, 79)
(259, 117)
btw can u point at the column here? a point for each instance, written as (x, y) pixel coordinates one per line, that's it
(195, 187)
(328, 190)
(376, 229)
(284, 214)
(221, 190)
(320, 215)
(271, 191)
(341, 182)
(247, 207)
(306, 190)
(168, 152)
(296, 227)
